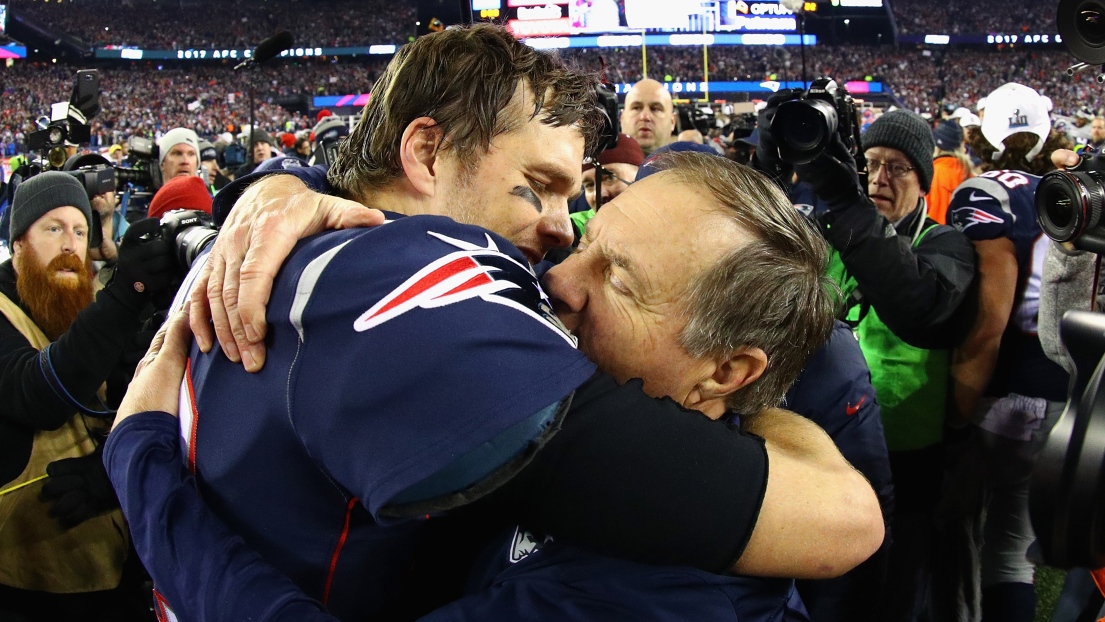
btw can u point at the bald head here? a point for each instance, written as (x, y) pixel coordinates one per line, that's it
(648, 115)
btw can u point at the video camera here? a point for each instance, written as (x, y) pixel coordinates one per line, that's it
(1067, 493)
(804, 125)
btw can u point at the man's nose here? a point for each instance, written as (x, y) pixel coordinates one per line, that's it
(69, 242)
(565, 291)
(555, 228)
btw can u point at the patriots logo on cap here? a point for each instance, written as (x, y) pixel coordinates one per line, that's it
(966, 217)
(472, 272)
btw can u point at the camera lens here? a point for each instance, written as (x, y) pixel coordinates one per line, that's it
(1090, 21)
(1068, 203)
(803, 129)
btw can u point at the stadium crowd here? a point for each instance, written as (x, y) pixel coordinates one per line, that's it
(553, 385)
(200, 24)
(949, 17)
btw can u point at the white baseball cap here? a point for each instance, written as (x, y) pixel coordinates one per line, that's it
(1013, 108)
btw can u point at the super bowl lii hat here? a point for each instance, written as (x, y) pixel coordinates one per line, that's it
(907, 132)
(1013, 108)
(41, 194)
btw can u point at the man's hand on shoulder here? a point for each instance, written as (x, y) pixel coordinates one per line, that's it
(230, 296)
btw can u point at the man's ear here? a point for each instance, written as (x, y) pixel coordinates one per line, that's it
(418, 151)
(724, 377)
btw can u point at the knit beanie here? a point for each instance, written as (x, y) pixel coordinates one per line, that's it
(183, 192)
(42, 193)
(208, 151)
(907, 132)
(948, 135)
(627, 151)
(174, 137)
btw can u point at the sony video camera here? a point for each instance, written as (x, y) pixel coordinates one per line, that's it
(804, 126)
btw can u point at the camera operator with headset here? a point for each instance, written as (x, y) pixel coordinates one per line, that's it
(63, 543)
(906, 285)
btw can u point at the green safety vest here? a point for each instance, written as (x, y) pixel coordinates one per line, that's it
(580, 219)
(911, 383)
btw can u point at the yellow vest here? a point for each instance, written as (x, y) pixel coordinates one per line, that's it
(36, 553)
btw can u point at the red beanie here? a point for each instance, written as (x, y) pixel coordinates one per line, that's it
(628, 151)
(322, 114)
(185, 192)
(287, 139)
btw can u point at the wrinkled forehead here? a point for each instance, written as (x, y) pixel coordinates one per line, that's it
(666, 226)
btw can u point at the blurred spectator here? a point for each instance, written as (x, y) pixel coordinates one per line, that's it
(950, 168)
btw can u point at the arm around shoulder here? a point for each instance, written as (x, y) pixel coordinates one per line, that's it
(820, 517)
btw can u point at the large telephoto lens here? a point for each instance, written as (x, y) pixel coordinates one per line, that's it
(1068, 203)
(802, 129)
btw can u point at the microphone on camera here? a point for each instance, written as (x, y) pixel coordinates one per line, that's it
(268, 49)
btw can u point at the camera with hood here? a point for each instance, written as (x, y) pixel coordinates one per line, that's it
(804, 126)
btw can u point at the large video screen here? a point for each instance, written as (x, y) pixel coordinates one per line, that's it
(535, 18)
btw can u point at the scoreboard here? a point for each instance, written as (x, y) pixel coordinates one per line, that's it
(553, 18)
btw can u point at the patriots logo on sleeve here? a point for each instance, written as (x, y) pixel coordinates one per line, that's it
(471, 272)
(966, 217)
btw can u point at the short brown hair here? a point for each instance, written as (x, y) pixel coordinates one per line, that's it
(770, 293)
(464, 79)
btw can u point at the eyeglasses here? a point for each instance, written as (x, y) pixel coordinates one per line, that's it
(893, 169)
(607, 177)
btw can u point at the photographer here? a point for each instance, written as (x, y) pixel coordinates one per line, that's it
(63, 542)
(907, 286)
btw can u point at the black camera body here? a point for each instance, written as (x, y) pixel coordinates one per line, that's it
(189, 232)
(803, 126)
(1070, 203)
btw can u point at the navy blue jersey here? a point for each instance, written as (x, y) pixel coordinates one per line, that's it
(405, 363)
(1002, 204)
(834, 391)
(523, 576)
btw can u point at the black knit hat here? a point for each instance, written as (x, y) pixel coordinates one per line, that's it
(907, 132)
(43, 193)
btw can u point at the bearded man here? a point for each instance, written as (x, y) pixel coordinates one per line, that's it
(63, 542)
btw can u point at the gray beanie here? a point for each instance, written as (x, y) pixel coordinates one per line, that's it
(907, 132)
(42, 193)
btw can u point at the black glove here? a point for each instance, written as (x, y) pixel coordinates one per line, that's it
(767, 152)
(78, 489)
(146, 267)
(833, 176)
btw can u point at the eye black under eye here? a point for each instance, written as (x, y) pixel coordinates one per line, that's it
(527, 194)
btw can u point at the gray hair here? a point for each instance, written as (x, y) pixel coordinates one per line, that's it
(770, 293)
